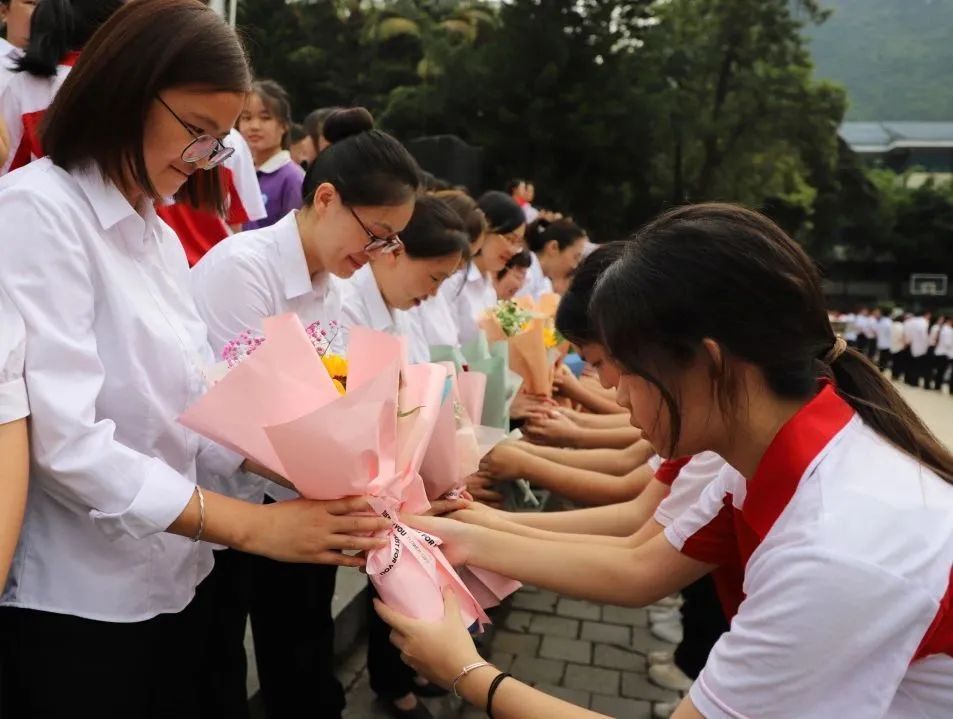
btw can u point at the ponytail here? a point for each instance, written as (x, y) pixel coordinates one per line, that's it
(58, 27)
(861, 384)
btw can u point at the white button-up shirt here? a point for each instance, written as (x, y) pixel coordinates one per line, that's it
(469, 302)
(435, 321)
(115, 352)
(917, 332)
(248, 277)
(884, 330)
(536, 283)
(13, 399)
(364, 306)
(944, 343)
(8, 56)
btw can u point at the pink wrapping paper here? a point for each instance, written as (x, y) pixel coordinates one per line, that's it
(453, 455)
(280, 407)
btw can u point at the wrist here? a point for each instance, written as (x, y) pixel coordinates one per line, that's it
(473, 685)
(249, 527)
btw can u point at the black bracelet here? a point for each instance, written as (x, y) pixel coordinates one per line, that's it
(494, 685)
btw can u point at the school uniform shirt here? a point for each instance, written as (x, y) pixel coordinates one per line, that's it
(23, 103)
(944, 344)
(115, 353)
(248, 277)
(8, 56)
(870, 327)
(536, 283)
(434, 321)
(469, 293)
(686, 478)
(917, 330)
(898, 337)
(850, 326)
(884, 332)
(200, 230)
(933, 336)
(280, 180)
(363, 306)
(847, 549)
(13, 398)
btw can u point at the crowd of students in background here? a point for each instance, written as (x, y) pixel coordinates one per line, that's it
(916, 347)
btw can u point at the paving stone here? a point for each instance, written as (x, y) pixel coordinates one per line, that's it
(607, 633)
(593, 679)
(573, 696)
(638, 686)
(578, 609)
(518, 620)
(644, 642)
(631, 616)
(535, 670)
(554, 626)
(502, 660)
(616, 658)
(541, 601)
(621, 708)
(570, 650)
(512, 643)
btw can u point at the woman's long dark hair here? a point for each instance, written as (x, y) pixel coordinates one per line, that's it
(60, 26)
(572, 317)
(726, 273)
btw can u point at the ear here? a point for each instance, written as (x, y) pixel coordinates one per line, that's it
(323, 197)
(714, 353)
(551, 247)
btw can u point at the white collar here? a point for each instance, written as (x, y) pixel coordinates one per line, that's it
(275, 162)
(474, 274)
(380, 317)
(292, 262)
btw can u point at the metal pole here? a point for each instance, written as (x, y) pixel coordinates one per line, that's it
(232, 12)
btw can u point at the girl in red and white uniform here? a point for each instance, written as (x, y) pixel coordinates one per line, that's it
(837, 502)
(58, 31)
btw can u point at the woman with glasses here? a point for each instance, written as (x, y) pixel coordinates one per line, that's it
(265, 123)
(58, 31)
(105, 604)
(472, 290)
(359, 194)
(432, 248)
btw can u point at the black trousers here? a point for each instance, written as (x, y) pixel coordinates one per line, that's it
(900, 364)
(917, 368)
(223, 692)
(294, 639)
(389, 677)
(703, 622)
(56, 665)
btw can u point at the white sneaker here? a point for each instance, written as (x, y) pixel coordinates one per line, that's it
(664, 615)
(668, 631)
(661, 656)
(669, 676)
(664, 710)
(674, 600)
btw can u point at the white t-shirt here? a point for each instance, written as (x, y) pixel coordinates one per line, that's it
(8, 55)
(248, 277)
(364, 306)
(22, 103)
(536, 283)
(470, 301)
(850, 328)
(700, 471)
(898, 337)
(847, 545)
(115, 353)
(13, 398)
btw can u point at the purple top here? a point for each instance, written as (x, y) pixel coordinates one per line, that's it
(280, 180)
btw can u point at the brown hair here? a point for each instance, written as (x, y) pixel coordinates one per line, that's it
(474, 221)
(723, 272)
(147, 46)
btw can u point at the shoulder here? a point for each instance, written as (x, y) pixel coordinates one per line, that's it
(250, 254)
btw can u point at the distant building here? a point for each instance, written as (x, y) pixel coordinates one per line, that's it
(925, 149)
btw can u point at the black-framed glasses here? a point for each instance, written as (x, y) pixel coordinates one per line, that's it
(375, 243)
(204, 148)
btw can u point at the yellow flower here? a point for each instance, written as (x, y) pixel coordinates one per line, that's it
(549, 338)
(335, 365)
(338, 386)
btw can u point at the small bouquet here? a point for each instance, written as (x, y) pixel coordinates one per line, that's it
(527, 332)
(286, 411)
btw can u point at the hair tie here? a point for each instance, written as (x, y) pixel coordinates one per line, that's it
(839, 347)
